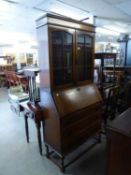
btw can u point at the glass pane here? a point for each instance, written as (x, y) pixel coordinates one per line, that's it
(88, 56)
(84, 73)
(57, 37)
(88, 50)
(68, 49)
(80, 55)
(68, 76)
(57, 55)
(80, 39)
(84, 57)
(80, 73)
(88, 73)
(88, 40)
(58, 76)
(62, 76)
(67, 37)
(62, 55)
(57, 48)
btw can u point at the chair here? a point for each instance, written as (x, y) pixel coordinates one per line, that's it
(110, 105)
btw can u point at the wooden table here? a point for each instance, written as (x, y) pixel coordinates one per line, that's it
(36, 113)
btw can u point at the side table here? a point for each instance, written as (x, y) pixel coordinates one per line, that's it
(35, 112)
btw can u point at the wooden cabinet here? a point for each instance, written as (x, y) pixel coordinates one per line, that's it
(119, 145)
(72, 102)
(66, 50)
(71, 55)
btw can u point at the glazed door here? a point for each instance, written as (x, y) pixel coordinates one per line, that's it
(84, 56)
(62, 57)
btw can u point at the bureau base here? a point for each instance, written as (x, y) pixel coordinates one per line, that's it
(63, 161)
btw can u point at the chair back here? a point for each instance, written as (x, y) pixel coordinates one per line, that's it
(111, 101)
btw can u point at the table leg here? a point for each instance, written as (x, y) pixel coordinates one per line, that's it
(43, 125)
(62, 164)
(38, 126)
(47, 151)
(26, 128)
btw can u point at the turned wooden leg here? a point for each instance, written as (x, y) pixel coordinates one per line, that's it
(43, 125)
(62, 164)
(38, 126)
(47, 151)
(26, 128)
(99, 137)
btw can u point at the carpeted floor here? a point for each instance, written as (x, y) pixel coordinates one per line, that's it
(19, 158)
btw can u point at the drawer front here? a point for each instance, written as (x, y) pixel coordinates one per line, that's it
(72, 141)
(76, 129)
(68, 120)
(85, 121)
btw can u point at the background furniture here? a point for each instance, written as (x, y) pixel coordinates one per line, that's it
(110, 104)
(104, 57)
(16, 95)
(2, 79)
(33, 89)
(124, 100)
(73, 103)
(12, 79)
(119, 145)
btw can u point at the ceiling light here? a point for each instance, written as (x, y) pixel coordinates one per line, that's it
(115, 28)
(106, 31)
(4, 6)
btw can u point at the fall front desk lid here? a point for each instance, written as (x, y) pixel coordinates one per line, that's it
(76, 98)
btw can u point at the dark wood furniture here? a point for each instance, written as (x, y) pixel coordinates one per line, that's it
(2, 79)
(110, 104)
(22, 79)
(66, 53)
(124, 100)
(104, 57)
(36, 112)
(119, 145)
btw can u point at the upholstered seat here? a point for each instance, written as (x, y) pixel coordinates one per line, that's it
(16, 94)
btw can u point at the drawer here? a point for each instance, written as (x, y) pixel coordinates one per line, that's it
(68, 120)
(82, 124)
(74, 140)
(73, 132)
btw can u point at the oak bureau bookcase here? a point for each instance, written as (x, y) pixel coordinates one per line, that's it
(72, 101)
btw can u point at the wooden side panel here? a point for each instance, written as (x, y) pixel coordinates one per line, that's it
(119, 154)
(119, 145)
(52, 124)
(43, 50)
